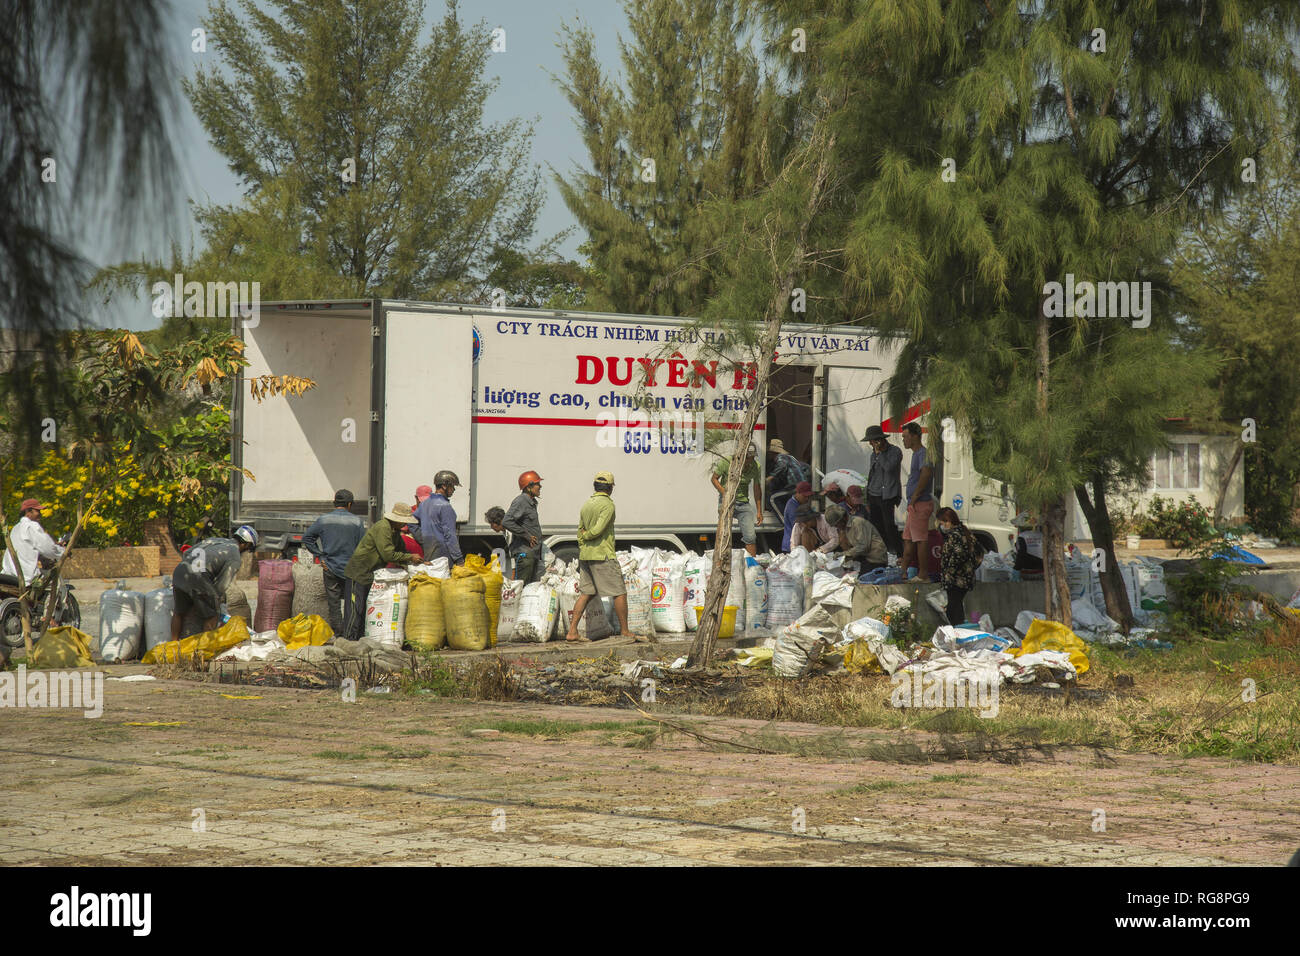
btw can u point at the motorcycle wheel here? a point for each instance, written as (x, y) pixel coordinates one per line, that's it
(11, 623)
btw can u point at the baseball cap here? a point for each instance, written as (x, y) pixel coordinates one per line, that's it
(829, 487)
(423, 492)
(803, 488)
(606, 476)
(855, 492)
(31, 503)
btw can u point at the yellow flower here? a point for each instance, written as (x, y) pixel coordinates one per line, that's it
(111, 533)
(153, 514)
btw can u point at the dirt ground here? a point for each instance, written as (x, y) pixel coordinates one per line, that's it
(298, 777)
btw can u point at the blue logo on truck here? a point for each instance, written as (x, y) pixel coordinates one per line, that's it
(478, 345)
(957, 502)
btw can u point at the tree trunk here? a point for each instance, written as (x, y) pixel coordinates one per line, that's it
(701, 654)
(706, 635)
(1103, 539)
(1223, 488)
(1056, 587)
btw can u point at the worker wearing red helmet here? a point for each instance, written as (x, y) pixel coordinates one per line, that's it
(522, 522)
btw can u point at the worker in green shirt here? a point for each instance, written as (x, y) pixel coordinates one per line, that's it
(380, 545)
(598, 569)
(748, 513)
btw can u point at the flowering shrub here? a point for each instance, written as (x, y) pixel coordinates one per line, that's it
(1186, 524)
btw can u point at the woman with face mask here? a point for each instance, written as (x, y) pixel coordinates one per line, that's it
(958, 561)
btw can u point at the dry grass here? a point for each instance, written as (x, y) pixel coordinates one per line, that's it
(1187, 701)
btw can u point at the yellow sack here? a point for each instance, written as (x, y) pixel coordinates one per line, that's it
(426, 619)
(62, 646)
(860, 658)
(207, 645)
(493, 581)
(1047, 635)
(304, 630)
(466, 612)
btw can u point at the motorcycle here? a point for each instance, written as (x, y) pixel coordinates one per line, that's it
(66, 609)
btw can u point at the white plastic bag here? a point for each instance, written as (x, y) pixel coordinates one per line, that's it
(784, 598)
(829, 589)
(538, 606)
(865, 627)
(1025, 618)
(1085, 617)
(638, 600)
(695, 585)
(668, 594)
(511, 592)
(437, 568)
(386, 607)
(794, 650)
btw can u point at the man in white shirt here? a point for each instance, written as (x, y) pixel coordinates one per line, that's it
(30, 542)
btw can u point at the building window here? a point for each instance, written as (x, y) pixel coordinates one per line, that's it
(1178, 469)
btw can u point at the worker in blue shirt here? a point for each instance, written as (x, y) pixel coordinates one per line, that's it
(438, 520)
(332, 538)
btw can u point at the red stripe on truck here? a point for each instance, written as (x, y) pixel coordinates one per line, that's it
(913, 413)
(589, 422)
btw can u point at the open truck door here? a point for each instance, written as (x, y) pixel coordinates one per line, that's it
(428, 365)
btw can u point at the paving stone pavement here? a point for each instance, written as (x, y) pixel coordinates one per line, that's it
(300, 777)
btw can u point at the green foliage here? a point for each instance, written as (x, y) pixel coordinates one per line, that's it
(1209, 595)
(1236, 275)
(442, 203)
(1186, 524)
(695, 102)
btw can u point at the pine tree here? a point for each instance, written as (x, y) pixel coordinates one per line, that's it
(695, 122)
(368, 164)
(998, 147)
(1238, 273)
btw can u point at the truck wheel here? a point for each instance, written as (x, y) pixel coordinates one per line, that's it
(987, 541)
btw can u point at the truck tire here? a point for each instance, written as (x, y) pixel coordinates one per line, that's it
(568, 553)
(987, 541)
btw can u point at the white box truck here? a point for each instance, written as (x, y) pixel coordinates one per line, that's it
(405, 389)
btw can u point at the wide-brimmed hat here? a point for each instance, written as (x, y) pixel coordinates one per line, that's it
(401, 513)
(777, 446)
(804, 513)
(874, 433)
(835, 515)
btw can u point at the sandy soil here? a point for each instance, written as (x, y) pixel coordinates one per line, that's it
(299, 777)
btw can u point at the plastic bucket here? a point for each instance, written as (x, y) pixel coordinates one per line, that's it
(727, 628)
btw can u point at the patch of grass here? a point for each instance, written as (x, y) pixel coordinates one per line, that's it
(418, 732)
(341, 755)
(547, 728)
(874, 786)
(433, 674)
(104, 771)
(953, 777)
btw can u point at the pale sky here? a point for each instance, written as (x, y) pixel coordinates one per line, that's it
(526, 90)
